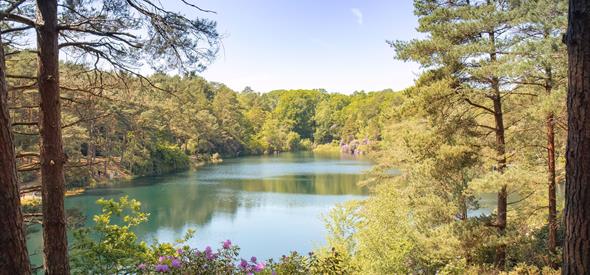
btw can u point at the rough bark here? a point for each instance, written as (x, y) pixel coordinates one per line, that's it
(552, 219)
(550, 131)
(52, 155)
(502, 201)
(91, 149)
(500, 147)
(14, 258)
(576, 251)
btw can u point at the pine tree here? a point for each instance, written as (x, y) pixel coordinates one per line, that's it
(472, 43)
(541, 66)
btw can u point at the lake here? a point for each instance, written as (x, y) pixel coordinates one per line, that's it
(267, 205)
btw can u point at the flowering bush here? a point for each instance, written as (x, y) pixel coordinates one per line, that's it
(115, 249)
(194, 261)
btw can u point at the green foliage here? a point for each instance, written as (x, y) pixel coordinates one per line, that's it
(324, 262)
(439, 159)
(161, 159)
(330, 118)
(111, 247)
(294, 263)
(329, 148)
(432, 204)
(108, 248)
(127, 126)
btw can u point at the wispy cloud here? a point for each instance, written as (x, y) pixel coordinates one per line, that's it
(358, 14)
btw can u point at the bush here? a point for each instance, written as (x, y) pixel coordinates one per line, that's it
(316, 263)
(108, 248)
(161, 159)
(291, 142)
(168, 158)
(328, 148)
(305, 145)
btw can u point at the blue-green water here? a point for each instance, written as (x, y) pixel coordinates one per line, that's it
(268, 205)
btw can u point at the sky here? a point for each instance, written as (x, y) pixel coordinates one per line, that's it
(337, 45)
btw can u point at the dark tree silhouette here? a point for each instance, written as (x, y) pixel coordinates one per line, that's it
(576, 251)
(14, 258)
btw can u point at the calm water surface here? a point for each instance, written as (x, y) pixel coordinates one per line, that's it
(268, 205)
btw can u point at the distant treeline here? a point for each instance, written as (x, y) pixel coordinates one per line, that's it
(156, 125)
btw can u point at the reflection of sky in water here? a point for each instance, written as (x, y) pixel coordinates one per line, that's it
(267, 205)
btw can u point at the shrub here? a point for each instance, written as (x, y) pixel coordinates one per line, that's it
(305, 145)
(108, 248)
(328, 148)
(161, 159)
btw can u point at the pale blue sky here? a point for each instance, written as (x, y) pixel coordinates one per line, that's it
(338, 45)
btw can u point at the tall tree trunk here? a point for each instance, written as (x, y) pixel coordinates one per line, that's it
(502, 201)
(90, 149)
(52, 154)
(14, 258)
(576, 251)
(552, 219)
(550, 128)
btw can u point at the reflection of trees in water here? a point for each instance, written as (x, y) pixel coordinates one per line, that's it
(329, 184)
(198, 203)
(178, 205)
(190, 204)
(175, 205)
(180, 199)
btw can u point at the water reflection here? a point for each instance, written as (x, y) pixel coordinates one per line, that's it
(330, 184)
(269, 205)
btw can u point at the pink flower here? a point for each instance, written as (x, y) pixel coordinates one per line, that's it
(209, 253)
(258, 267)
(176, 263)
(253, 259)
(162, 268)
(227, 244)
(244, 264)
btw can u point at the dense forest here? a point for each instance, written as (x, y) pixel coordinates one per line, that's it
(122, 127)
(492, 113)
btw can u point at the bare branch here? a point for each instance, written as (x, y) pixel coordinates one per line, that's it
(197, 7)
(25, 123)
(84, 119)
(30, 189)
(27, 154)
(478, 106)
(10, 8)
(18, 29)
(29, 167)
(21, 76)
(18, 19)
